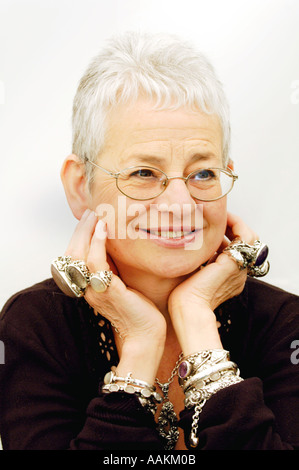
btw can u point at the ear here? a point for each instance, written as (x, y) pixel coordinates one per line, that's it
(75, 185)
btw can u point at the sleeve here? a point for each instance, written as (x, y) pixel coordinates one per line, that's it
(45, 398)
(117, 422)
(262, 412)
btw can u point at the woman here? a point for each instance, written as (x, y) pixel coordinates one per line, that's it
(156, 281)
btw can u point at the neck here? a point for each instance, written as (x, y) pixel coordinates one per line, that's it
(157, 289)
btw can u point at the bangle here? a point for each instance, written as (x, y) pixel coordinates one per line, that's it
(131, 389)
(201, 375)
(195, 395)
(146, 393)
(111, 377)
(203, 359)
(199, 401)
(209, 374)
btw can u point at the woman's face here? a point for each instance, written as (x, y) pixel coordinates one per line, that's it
(177, 142)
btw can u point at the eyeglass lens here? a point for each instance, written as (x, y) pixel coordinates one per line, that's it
(146, 182)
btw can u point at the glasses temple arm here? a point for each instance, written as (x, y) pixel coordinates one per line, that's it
(86, 160)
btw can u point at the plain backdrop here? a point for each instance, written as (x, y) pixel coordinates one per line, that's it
(45, 46)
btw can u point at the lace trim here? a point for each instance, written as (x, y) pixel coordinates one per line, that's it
(105, 336)
(223, 320)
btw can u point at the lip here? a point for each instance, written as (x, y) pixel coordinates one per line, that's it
(180, 242)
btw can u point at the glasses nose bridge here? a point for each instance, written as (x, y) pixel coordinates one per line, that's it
(177, 178)
(169, 178)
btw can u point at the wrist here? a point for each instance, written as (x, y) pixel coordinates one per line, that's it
(196, 328)
(206, 338)
(141, 358)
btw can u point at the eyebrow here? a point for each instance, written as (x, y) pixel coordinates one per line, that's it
(152, 159)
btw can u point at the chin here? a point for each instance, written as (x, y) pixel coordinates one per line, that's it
(167, 264)
(171, 270)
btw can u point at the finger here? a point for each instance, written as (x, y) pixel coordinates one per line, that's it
(111, 264)
(236, 227)
(78, 247)
(97, 256)
(224, 244)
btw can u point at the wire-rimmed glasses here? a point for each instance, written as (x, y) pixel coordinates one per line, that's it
(142, 183)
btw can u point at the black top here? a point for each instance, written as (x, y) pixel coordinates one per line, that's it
(57, 352)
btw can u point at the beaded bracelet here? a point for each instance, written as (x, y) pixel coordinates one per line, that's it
(201, 375)
(111, 377)
(198, 401)
(195, 395)
(208, 374)
(191, 364)
(146, 393)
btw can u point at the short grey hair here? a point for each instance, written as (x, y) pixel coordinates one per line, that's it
(161, 66)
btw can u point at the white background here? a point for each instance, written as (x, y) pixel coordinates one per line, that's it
(45, 46)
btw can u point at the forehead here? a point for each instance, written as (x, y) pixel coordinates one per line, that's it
(138, 130)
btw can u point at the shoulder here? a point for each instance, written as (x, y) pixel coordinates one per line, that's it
(267, 299)
(37, 292)
(262, 313)
(273, 314)
(39, 309)
(45, 293)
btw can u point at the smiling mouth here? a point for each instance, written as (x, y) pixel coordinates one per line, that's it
(170, 234)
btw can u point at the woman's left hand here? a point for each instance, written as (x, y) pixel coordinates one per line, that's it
(192, 303)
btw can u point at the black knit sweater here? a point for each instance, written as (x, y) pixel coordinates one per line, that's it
(57, 352)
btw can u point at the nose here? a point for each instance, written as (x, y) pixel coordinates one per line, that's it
(177, 192)
(175, 206)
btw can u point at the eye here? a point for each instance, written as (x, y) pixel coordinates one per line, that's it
(143, 173)
(203, 175)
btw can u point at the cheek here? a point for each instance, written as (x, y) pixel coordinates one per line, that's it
(215, 216)
(215, 213)
(122, 215)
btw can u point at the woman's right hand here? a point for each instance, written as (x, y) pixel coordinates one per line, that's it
(141, 326)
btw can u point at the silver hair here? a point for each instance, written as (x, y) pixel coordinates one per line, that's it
(163, 67)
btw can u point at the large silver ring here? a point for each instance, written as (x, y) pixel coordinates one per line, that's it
(78, 273)
(250, 257)
(71, 276)
(100, 281)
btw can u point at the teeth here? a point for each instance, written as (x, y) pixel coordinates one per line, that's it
(169, 234)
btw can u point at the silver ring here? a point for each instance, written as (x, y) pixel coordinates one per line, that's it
(78, 273)
(100, 281)
(72, 277)
(250, 257)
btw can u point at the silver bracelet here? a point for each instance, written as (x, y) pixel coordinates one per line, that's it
(111, 377)
(145, 392)
(201, 375)
(195, 395)
(211, 373)
(191, 364)
(198, 407)
(131, 389)
(148, 405)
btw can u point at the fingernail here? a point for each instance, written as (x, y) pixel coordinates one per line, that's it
(101, 230)
(85, 214)
(93, 214)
